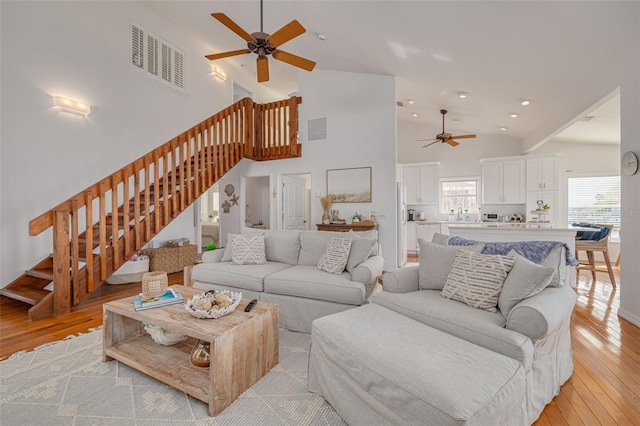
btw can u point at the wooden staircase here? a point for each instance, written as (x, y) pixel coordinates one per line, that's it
(98, 229)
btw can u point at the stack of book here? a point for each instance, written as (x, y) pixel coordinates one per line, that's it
(169, 298)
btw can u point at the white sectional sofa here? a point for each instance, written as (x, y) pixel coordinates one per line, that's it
(530, 326)
(291, 277)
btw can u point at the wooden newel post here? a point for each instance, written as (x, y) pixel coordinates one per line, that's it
(61, 263)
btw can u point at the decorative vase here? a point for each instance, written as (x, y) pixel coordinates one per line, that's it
(325, 218)
(200, 354)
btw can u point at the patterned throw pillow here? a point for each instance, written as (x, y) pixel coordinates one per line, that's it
(248, 250)
(477, 279)
(335, 256)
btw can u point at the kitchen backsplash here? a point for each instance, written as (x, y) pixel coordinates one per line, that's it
(431, 212)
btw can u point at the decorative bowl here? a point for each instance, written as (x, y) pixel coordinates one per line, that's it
(213, 313)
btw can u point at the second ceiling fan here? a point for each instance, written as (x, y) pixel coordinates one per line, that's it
(445, 137)
(264, 44)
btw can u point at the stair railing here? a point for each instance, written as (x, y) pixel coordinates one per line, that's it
(95, 231)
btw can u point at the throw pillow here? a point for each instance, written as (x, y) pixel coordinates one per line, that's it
(440, 238)
(226, 255)
(371, 234)
(335, 256)
(477, 279)
(436, 261)
(361, 249)
(524, 280)
(248, 250)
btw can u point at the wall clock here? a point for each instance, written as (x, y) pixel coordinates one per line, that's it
(629, 163)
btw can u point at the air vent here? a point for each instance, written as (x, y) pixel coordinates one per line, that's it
(399, 103)
(156, 58)
(588, 118)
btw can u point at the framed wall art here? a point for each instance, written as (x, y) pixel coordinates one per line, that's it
(349, 185)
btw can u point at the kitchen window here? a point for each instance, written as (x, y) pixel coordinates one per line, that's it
(455, 193)
(595, 199)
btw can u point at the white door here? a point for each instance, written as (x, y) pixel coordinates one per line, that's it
(293, 203)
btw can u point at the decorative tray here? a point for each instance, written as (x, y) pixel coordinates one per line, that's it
(215, 304)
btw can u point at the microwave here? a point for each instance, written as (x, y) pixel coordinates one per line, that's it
(490, 217)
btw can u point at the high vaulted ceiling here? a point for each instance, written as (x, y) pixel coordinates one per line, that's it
(500, 52)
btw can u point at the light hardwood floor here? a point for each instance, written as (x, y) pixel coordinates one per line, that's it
(603, 390)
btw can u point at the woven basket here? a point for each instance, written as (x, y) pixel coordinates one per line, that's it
(154, 284)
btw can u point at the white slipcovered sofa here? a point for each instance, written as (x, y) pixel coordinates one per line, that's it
(291, 276)
(529, 327)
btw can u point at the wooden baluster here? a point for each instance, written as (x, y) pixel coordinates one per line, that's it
(203, 163)
(166, 181)
(174, 176)
(189, 166)
(115, 226)
(76, 292)
(126, 175)
(225, 148)
(210, 164)
(248, 127)
(103, 231)
(157, 209)
(227, 142)
(196, 164)
(88, 249)
(293, 127)
(147, 203)
(137, 229)
(61, 259)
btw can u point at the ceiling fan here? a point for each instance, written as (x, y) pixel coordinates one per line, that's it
(445, 137)
(264, 45)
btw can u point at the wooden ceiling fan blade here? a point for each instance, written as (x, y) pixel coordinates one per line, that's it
(294, 60)
(426, 140)
(452, 142)
(463, 137)
(292, 30)
(429, 144)
(227, 54)
(263, 69)
(227, 22)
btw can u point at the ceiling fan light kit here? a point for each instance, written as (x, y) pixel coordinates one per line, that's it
(445, 137)
(263, 45)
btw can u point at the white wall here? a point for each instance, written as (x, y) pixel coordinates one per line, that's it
(361, 132)
(81, 50)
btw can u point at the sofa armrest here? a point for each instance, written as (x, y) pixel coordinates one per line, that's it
(213, 256)
(368, 271)
(539, 315)
(401, 280)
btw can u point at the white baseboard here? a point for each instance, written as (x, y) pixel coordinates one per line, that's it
(633, 319)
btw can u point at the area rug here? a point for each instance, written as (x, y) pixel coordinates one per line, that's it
(66, 383)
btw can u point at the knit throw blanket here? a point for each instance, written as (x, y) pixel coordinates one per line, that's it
(535, 251)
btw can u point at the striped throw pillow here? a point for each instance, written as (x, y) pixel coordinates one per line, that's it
(335, 256)
(477, 279)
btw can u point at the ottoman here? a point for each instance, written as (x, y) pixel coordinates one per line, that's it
(375, 367)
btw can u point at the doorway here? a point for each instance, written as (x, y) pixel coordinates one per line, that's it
(295, 207)
(257, 206)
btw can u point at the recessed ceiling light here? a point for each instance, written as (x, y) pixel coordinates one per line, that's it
(414, 114)
(410, 101)
(504, 129)
(513, 115)
(525, 102)
(321, 36)
(455, 120)
(463, 95)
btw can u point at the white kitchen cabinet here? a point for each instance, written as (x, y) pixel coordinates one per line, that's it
(503, 182)
(421, 182)
(426, 231)
(412, 240)
(542, 174)
(547, 197)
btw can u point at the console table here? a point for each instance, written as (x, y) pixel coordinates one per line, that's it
(344, 227)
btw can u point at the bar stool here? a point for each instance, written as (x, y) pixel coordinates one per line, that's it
(592, 246)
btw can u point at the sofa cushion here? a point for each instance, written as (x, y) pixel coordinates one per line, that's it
(371, 234)
(248, 250)
(361, 250)
(310, 282)
(312, 245)
(436, 261)
(524, 280)
(335, 256)
(477, 279)
(477, 326)
(282, 246)
(241, 276)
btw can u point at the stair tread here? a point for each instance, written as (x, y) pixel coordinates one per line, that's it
(26, 289)
(46, 274)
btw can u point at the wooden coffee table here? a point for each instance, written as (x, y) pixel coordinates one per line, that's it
(244, 346)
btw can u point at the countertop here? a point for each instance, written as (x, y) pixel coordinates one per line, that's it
(502, 226)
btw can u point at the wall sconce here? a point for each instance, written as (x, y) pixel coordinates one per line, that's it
(219, 74)
(69, 105)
